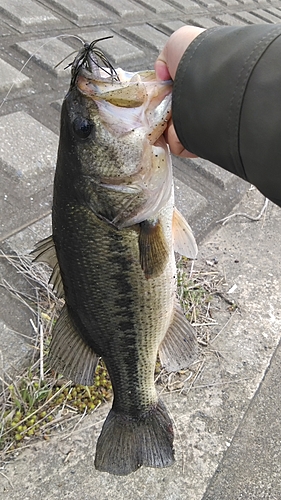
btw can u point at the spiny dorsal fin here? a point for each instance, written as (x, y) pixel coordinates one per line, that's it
(179, 348)
(154, 251)
(69, 354)
(184, 241)
(45, 251)
(56, 281)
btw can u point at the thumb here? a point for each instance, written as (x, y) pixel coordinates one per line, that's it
(168, 60)
(161, 69)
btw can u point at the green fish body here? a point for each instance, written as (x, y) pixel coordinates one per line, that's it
(115, 230)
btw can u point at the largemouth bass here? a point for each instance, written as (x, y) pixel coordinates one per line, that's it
(115, 231)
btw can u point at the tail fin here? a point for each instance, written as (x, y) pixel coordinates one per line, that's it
(126, 443)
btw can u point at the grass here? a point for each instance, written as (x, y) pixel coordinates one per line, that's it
(197, 289)
(39, 401)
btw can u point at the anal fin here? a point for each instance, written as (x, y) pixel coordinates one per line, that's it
(153, 248)
(45, 251)
(69, 354)
(179, 348)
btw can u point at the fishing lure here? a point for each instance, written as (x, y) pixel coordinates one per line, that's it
(90, 58)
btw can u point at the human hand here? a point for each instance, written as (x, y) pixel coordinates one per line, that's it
(166, 67)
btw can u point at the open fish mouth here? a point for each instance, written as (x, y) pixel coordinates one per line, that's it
(129, 104)
(95, 77)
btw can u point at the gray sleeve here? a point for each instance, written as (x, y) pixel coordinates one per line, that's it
(227, 102)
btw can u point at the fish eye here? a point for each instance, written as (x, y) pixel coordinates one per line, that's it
(82, 127)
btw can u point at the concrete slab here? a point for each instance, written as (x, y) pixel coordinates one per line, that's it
(29, 16)
(218, 188)
(246, 17)
(267, 16)
(229, 20)
(146, 35)
(117, 48)
(24, 241)
(187, 6)
(188, 201)
(47, 53)
(5, 30)
(82, 12)
(123, 8)
(157, 6)
(27, 157)
(10, 76)
(276, 12)
(20, 208)
(249, 3)
(170, 26)
(250, 468)
(230, 3)
(211, 4)
(203, 22)
(28, 149)
(213, 173)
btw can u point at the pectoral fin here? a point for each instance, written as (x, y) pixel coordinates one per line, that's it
(179, 348)
(184, 241)
(69, 354)
(153, 248)
(45, 251)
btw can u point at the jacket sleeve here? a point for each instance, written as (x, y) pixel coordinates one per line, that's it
(227, 102)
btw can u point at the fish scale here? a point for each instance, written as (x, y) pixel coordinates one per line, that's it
(113, 261)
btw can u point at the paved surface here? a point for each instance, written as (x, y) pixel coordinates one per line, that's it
(220, 426)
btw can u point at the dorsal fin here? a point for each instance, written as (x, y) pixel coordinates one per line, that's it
(45, 251)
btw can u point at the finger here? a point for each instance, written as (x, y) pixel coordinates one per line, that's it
(161, 70)
(174, 50)
(176, 146)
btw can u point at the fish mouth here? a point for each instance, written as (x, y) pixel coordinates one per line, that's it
(129, 106)
(122, 95)
(95, 77)
(132, 90)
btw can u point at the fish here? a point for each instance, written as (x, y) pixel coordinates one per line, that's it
(115, 231)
